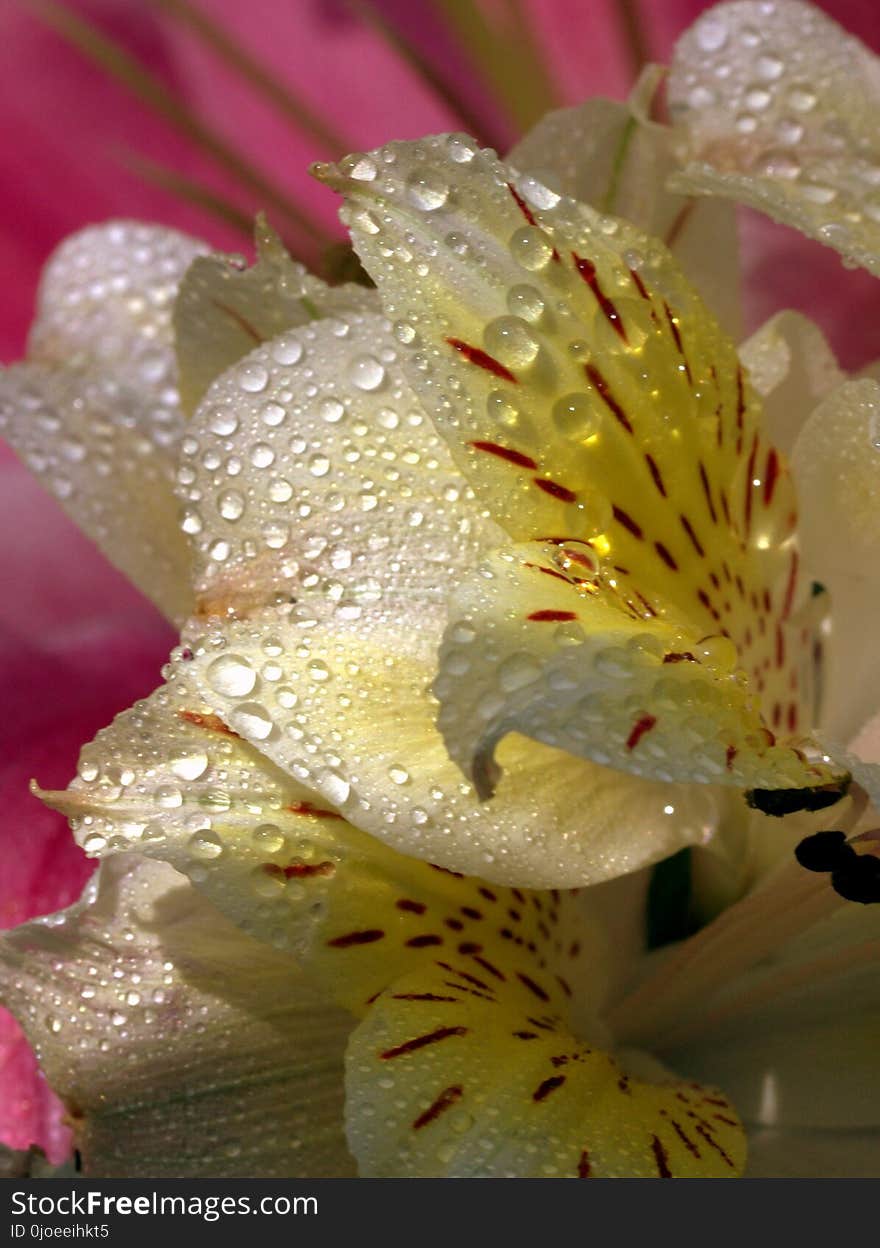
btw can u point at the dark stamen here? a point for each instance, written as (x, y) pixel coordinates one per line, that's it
(825, 851)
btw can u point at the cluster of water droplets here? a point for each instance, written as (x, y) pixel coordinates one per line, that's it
(780, 92)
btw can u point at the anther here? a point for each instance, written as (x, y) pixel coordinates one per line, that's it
(825, 851)
(858, 880)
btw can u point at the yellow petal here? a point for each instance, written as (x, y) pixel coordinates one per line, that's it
(778, 106)
(452, 1074)
(590, 397)
(545, 644)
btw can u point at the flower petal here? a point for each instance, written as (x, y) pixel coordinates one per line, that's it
(779, 109)
(181, 1046)
(282, 866)
(590, 397)
(341, 489)
(792, 367)
(224, 309)
(837, 469)
(452, 1075)
(541, 642)
(95, 414)
(610, 155)
(98, 447)
(342, 709)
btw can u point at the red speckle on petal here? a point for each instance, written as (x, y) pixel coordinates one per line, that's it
(639, 728)
(549, 616)
(505, 452)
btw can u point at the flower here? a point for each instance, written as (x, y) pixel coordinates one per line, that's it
(537, 327)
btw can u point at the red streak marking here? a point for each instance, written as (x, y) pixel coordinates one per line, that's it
(532, 986)
(587, 270)
(740, 399)
(780, 646)
(792, 718)
(526, 211)
(555, 490)
(640, 285)
(602, 388)
(790, 587)
(525, 1035)
(303, 870)
(213, 723)
(684, 657)
(412, 907)
(475, 355)
(694, 540)
(731, 754)
(584, 1166)
(312, 812)
(488, 966)
(356, 938)
(655, 473)
(750, 472)
(665, 556)
(422, 942)
(725, 508)
(771, 476)
(661, 1158)
(701, 1131)
(487, 894)
(543, 1090)
(707, 491)
(423, 996)
(676, 334)
(420, 1042)
(639, 728)
(623, 517)
(522, 205)
(548, 572)
(552, 616)
(240, 321)
(457, 874)
(777, 715)
(444, 1101)
(644, 601)
(505, 452)
(686, 1141)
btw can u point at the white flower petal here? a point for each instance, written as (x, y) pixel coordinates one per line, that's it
(792, 367)
(609, 155)
(224, 309)
(181, 1047)
(836, 465)
(311, 471)
(779, 106)
(95, 413)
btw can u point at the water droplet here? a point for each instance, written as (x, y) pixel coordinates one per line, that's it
(398, 774)
(253, 378)
(223, 422)
(230, 504)
(190, 766)
(287, 350)
(204, 844)
(510, 340)
(711, 34)
(262, 455)
(232, 676)
(426, 190)
(252, 720)
(319, 465)
(575, 417)
(366, 372)
(273, 414)
(531, 248)
(331, 410)
(525, 302)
